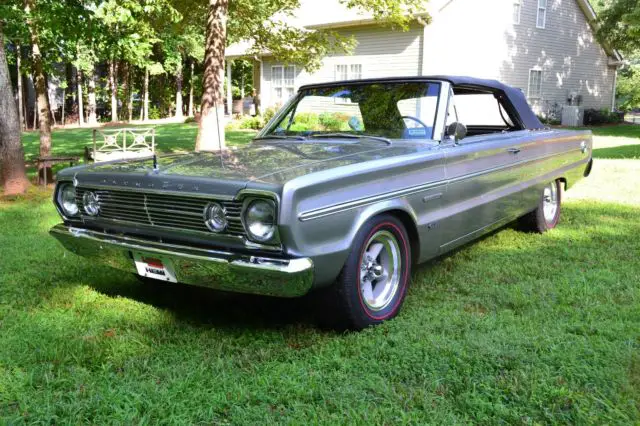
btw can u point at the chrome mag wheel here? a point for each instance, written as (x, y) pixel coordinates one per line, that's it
(380, 270)
(550, 202)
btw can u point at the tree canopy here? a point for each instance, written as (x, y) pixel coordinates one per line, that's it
(619, 27)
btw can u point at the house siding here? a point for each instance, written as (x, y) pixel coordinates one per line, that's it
(382, 52)
(566, 51)
(484, 42)
(470, 37)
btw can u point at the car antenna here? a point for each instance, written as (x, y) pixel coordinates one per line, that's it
(215, 106)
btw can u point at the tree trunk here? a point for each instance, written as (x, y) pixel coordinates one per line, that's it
(13, 177)
(179, 78)
(52, 115)
(20, 94)
(146, 96)
(64, 96)
(191, 91)
(211, 127)
(41, 89)
(35, 113)
(91, 99)
(80, 99)
(129, 93)
(113, 69)
(70, 99)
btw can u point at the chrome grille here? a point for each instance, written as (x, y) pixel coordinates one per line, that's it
(168, 211)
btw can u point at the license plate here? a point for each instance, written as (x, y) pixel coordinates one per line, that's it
(151, 266)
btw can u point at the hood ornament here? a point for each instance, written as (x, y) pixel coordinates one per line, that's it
(155, 162)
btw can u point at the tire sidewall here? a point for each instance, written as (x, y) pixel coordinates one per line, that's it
(362, 315)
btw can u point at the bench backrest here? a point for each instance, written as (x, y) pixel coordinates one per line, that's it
(123, 143)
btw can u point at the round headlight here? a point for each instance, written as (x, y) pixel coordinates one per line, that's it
(215, 217)
(67, 200)
(91, 204)
(260, 220)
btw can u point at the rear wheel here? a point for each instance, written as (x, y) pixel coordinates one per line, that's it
(373, 282)
(547, 215)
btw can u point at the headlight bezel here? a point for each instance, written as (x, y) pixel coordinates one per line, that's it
(273, 237)
(60, 204)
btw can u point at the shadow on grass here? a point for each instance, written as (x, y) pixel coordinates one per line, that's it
(204, 306)
(584, 231)
(618, 152)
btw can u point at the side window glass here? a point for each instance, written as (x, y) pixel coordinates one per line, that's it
(452, 114)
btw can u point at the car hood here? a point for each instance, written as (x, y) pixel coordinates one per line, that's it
(272, 163)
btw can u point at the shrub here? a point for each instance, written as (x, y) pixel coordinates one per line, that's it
(305, 121)
(253, 123)
(154, 113)
(332, 121)
(548, 120)
(269, 113)
(595, 117)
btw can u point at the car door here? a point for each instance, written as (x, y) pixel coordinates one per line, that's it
(483, 175)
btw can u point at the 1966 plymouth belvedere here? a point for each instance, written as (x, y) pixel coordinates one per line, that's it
(346, 188)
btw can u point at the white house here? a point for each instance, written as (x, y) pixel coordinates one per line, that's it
(545, 47)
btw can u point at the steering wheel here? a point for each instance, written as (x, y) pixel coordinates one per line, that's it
(417, 120)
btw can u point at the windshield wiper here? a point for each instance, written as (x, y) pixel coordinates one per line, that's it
(351, 136)
(280, 137)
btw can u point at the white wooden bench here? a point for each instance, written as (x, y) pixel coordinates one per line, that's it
(119, 144)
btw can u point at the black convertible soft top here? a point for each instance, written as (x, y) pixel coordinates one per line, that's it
(515, 96)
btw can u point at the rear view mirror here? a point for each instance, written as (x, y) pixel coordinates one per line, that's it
(456, 131)
(356, 124)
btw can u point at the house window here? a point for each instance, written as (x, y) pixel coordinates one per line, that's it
(356, 72)
(542, 14)
(283, 81)
(517, 6)
(348, 72)
(535, 84)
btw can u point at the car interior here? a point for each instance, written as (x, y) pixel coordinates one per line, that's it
(481, 111)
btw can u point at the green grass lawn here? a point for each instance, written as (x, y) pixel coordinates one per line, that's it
(517, 328)
(621, 141)
(170, 138)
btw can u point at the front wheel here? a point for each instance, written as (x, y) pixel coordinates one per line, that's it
(547, 215)
(373, 282)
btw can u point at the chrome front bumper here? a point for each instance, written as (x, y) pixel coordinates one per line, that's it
(202, 267)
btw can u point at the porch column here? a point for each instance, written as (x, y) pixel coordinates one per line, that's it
(257, 84)
(229, 94)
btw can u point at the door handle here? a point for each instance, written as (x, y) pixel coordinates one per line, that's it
(513, 150)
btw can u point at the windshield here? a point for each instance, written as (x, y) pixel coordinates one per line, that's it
(385, 110)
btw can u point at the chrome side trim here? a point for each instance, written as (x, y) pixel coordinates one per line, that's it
(338, 208)
(365, 201)
(216, 269)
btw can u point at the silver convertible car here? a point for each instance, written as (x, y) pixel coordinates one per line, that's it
(346, 188)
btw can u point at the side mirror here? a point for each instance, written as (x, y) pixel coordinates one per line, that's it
(456, 131)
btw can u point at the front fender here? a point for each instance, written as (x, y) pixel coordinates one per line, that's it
(328, 240)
